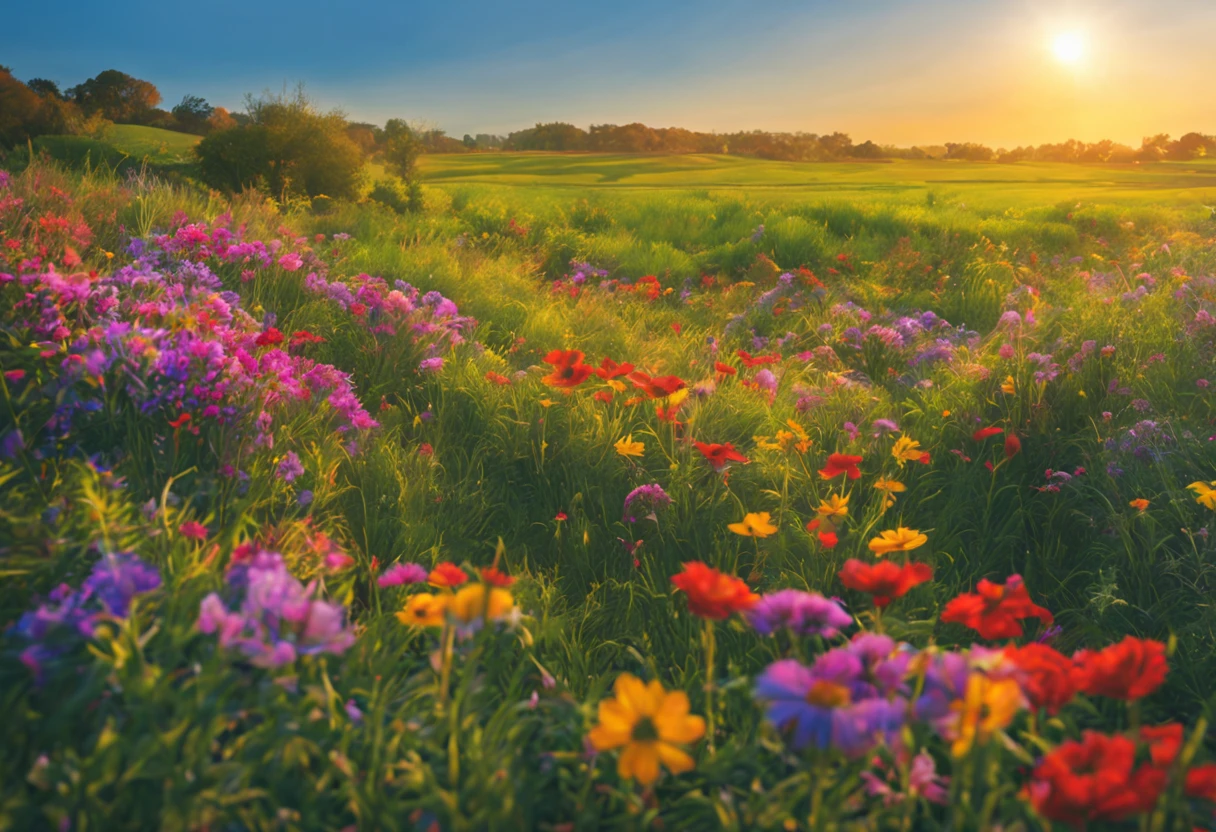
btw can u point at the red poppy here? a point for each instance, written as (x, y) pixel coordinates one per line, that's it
(668, 414)
(712, 594)
(983, 433)
(493, 575)
(604, 396)
(1045, 675)
(724, 370)
(1201, 782)
(1164, 742)
(658, 386)
(720, 455)
(609, 369)
(497, 378)
(447, 575)
(1013, 445)
(180, 420)
(1129, 670)
(1094, 779)
(838, 464)
(568, 369)
(995, 609)
(885, 580)
(750, 360)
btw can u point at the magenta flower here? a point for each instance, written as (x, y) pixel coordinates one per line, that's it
(402, 573)
(802, 613)
(291, 261)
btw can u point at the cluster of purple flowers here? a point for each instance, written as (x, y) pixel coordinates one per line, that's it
(646, 501)
(275, 618)
(67, 615)
(801, 613)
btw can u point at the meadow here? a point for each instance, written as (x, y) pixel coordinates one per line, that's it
(893, 482)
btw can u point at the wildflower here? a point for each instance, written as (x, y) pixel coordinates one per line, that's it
(1201, 782)
(179, 421)
(1009, 387)
(402, 573)
(1140, 504)
(884, 580)
(720, 455)
(626, 447)
(193, 530)
(802, 613)
(561, 517)
(424, 610)
(495, 577)
(995, 609)
(751, 361)
(645, 498)
(430, 365)
(569, 371)
(712, 594)
(609, 369)
(305, 497)
(475, 604)
(755, 524)
(657, 387)
(1013, 445)
(827, 536)
(446, 576)
(724, 370)
(14, 376)
(117, 578)
(909, 450)
(1205, 493)
(269, 338)
(983, 433)
(290, 467)
(1094, 779)
(900, 539)
(1046, 676)
(889, 488)
(838, 464)
(835, 506)
(291, 261)
(987, 706)
(1129, 670)
(821, 705)
(649, 724)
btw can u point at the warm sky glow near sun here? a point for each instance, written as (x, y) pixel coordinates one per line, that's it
(1001, 72)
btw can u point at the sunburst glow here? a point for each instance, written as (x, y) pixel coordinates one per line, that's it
(1069, 48)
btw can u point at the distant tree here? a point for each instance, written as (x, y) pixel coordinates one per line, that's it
(1154, 148)
(969, 152)
(221, 119)
(44, 87)
(868, 150)
(1192, 146)
(836, 145)
(400, 148)
(193, 115)
(469, 142)
(553, 136)
(364, 135)
(25, 114)
(117, 96)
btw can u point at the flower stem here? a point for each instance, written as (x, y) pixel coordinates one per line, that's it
(709, 681)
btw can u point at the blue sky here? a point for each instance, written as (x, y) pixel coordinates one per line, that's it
(903, 72)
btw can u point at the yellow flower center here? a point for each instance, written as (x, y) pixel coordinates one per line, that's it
(827, 695)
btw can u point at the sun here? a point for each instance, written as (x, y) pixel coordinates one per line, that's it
(1069, 48)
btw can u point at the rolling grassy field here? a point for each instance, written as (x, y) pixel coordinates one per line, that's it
(248, 442)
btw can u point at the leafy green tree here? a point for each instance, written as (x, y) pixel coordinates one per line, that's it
(193, 115)
(117, 96)
(400, 148)
(44, 87)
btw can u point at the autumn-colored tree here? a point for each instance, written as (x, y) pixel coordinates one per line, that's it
(117, 96)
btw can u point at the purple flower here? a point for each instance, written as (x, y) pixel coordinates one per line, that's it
(119, 577)
(802, 613)
(402, 573)
(12, 444)
(290, 467)
(430, 365)
(305, 497)
(766, 381)
(645, 501)
(884, 426)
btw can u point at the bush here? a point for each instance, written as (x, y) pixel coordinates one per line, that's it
(391, 192)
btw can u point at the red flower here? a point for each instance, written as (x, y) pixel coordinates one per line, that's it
(609, 369)
(568, 369)
(720, 455)
(1201, 782)
(358, 309)
(750, 360)
(493, 575)
(994, 610)
(497, 378)
(269, 338)
(1164, 742)
(884, 580)
(657, 387)
(303, 336)
(193, 530)
(1129, 670)
(604, 396)
(827, 537)
(180, 420)
(447, 575)
(838, 464)
(983, 433)
(1045, 676)
(1094, 779)
(676, 327)
(561, 516)
(1013, 445)
(711, 594)
(724, 370)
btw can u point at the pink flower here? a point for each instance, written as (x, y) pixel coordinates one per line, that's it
(402, 573)
(291, 261)
(193, 530)
(13, 376)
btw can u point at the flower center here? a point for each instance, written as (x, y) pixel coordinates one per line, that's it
(644, 730)
(827, 695)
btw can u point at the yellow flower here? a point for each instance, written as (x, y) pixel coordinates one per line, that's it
(766, 444)
(677, 398)
(546, 402)
(987, 707)
(1009, 387)
(649, 724)
(835, 506)
(616, 384)
(804, 441)
(907, 450)
(889, 489)
(1140, 504)
(899, 540)
(471, 605)
(754, 525)
(1205, 494)
(627, 447)
(424, 610)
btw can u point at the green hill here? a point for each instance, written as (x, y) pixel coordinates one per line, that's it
(123, 145)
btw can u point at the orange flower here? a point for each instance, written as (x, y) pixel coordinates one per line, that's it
(657, 387)
(1013, 445)
(609, 369)
(838, 464)
(568, 369)
(1140, 504)
(720, 455)
(995, 609)
(446, 575)
(884, 580)
(724, 370)
(983, 433)
(493, 575)
(711, 594)
(750, 360)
